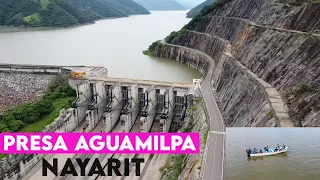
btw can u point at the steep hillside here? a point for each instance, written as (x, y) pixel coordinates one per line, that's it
(63, 13)
(196, 10)
(266, 57)
(161, 5)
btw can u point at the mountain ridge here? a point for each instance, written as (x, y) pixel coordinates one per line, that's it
(196, 10)
(62, 13)
(163, 5)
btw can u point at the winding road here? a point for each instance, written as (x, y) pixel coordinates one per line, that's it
(215, 149)
(214, 157)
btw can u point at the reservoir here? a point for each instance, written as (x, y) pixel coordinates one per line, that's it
(302, 161)
(116, 44)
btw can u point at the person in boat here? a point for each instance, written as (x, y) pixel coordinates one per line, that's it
(254, 150)
(283, 147)
(261, 151)
(267, 149)
(248, 151)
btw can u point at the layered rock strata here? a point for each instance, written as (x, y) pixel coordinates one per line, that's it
(273, 68)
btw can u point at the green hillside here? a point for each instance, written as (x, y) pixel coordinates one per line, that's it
(196, 10)
(64, 13)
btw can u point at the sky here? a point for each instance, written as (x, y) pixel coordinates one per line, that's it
(190, 3)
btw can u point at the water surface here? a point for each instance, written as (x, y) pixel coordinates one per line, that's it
(116, 44)
(302, 161)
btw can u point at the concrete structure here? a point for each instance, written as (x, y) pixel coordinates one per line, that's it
(103, 104)
(111, 100)
(31, 68)
(89, 71)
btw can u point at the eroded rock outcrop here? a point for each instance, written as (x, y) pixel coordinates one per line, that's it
(246, 107)
(211, 45)
(287, 14)
(194, 59)
(274, 58)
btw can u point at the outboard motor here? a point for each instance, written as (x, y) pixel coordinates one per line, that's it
(248, 151)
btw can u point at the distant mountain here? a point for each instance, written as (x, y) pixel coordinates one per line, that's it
(189, 4)
(64, 13)
(196, 10)
(161, 5)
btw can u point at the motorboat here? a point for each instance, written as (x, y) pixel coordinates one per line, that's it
(263, 152)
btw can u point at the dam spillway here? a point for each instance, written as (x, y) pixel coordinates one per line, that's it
(104, 104)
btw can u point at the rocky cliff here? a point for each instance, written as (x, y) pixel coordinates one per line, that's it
(266, 57)
(291, 14)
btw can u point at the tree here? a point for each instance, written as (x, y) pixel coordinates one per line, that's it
(15, 125)
(3, 127)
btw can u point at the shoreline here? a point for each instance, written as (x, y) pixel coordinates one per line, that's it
(13, 29)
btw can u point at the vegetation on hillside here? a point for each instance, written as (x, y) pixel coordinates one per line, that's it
(152, 48)
(305, 88)
(35, 18)
(190, 26)
(173, 166)
(35, 116)
(175, 163)
(196, 10)
(61, 13)
(175, 34)
(44, 4)
(205, 11)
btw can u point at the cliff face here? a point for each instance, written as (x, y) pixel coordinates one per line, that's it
(285, 14)
(213, 46)
(194, 59)
(266, 67)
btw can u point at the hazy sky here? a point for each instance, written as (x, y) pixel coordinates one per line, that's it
(190, 3)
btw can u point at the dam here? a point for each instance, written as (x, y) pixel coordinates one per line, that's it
(104, 104)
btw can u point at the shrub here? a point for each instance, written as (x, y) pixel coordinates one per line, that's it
(304, 88)
(175, 34)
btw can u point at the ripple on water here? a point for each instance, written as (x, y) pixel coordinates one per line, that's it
(301, 162)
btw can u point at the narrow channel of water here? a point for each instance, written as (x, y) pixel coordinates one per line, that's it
(116, 44)
(301, 162)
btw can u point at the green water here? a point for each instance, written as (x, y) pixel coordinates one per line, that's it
(302, 161)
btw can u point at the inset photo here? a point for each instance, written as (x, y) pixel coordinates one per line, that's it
(272, 153)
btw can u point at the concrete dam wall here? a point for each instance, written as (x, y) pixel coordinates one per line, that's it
(271, 75)
(194, 59)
